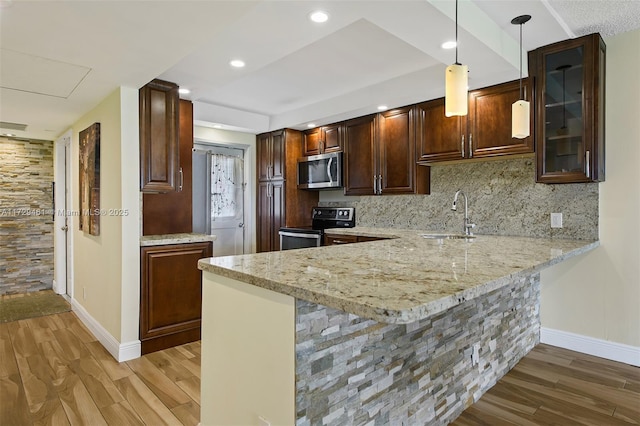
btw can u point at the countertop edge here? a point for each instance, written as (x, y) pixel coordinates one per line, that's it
(168, 239)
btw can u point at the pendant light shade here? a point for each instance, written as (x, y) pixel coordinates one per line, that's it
(456, 84)
(520, 113)
(520, 110)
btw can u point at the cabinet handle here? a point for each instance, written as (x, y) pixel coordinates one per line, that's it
(379, 184)
(586, 164)
(268, 190)
(340, 242)
(470, 145)
(181, 180)
(462, 145)
(321, 146)
(375, 184)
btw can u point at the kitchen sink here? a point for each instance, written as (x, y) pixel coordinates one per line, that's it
(447, 236)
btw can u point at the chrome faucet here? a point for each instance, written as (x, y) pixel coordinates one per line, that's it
(467, 225)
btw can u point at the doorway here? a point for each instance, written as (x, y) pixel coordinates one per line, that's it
(219, 196)
(62, 241)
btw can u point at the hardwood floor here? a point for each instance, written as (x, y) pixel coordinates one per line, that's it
(554, 386)
(53, 371)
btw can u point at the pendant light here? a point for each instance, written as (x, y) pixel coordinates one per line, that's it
(456, 84)
(520, 110)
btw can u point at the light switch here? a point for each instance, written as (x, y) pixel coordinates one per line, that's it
(556, 220)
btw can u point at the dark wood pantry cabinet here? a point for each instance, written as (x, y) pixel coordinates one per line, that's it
(280, 203)
(171, 294)
(569, 109)
(159, 140)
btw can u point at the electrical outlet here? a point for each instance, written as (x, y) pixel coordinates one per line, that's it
(556, 220)
(475, 354)
(263, 422)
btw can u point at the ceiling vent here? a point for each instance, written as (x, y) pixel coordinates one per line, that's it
(13, 126)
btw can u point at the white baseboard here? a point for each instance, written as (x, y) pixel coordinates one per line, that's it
(591, 346)
(120, 351)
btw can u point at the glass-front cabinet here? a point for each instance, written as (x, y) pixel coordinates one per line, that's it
(569, 80)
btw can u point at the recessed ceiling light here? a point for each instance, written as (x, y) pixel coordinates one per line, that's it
(8, 134)
(449, 45)
(184, 91)
(319, 16)
(311, 125)
(237, 63)
(382, 107)
(218, 126)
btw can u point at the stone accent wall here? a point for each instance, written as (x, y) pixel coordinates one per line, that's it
(354, 371)
(26, 222)
(503, 200)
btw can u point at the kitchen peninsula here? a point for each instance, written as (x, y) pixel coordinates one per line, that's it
(402, 330)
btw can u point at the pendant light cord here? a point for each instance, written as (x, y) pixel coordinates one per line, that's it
(521, 92)
(457, 63)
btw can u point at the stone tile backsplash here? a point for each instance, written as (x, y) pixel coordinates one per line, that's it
(26, 224)
(504, 199)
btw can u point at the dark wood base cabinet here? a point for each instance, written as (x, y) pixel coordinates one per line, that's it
(171, 295)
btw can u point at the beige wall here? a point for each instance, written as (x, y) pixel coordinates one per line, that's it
(106, 276)
(598, 294)
(243, 140)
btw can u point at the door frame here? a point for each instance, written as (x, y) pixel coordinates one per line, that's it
(249, 205)
(62, 244)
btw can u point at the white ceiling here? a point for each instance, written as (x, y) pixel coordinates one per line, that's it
(59, 59)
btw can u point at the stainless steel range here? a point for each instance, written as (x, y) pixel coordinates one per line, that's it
(322, 218)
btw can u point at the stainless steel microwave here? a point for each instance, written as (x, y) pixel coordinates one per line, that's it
(322, 171)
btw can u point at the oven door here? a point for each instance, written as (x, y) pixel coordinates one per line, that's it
(292, 238)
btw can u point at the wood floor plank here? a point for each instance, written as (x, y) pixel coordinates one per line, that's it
(73, 346)
(8, 365)
(170, 365)
(103, 391)
(168, 391)
(24, 345)
(50, 413)
(56, 358)
(594, 376)
(77, 402)
(40, 329)
(191, 387)
(121, 413)
(113, 368)
(144, 402)
(188, 414)
(37, 380)
(14, 409)
(612, 396)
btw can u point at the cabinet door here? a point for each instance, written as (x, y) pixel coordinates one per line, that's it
(570, 83)
(312, 141)
(439, 138)
(263, 154)
(396, 150)
(264, 225)
(278, 215)
(159, 156)
(331, 140)
(489, 131)
(171, 212)
(359, 162)
(278, 154)
(171, 294)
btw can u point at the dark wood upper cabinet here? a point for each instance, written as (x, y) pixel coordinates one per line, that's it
(159, 140)
(569, 109)
(271, 155)
(485, 132)
(380, 155)
(489, 126)
(323, 139)
(360, 169)
(171, 212)
(396, 146)
(439, 138)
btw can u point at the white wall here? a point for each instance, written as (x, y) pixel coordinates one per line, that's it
(598, 295)
(238, 140)
(106, 268)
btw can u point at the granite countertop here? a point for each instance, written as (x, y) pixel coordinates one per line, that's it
(162, 240)
(401, 279)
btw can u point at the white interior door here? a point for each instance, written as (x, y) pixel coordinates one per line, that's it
(62, 204)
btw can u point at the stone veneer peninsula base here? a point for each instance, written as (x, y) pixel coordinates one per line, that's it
(288, 361)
